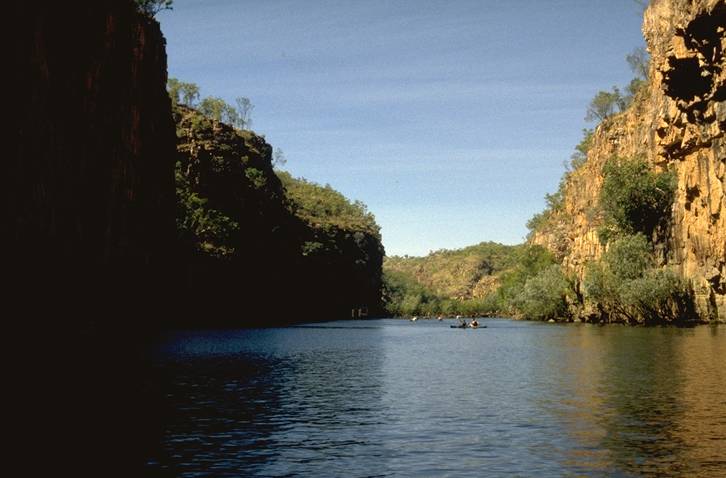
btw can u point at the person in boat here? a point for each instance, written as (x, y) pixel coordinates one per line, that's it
(474, 323)
(462, 322)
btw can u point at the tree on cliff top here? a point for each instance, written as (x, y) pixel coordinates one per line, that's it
(182, 92)
(639, 62)
(152, 7)
(606, 104)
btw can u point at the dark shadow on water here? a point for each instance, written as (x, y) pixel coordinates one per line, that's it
(270, 402)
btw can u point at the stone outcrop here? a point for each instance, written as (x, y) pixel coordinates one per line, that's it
(677, 123)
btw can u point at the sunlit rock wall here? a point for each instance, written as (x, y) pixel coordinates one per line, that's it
(679, 124)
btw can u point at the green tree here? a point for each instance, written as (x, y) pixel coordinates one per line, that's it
(278, 158)
(633, 197)
(625, 285)
(530, 261)
(639, 62)
(544, 295)
(244, 112)
(173, 86)
(152, 7)
(182, 92)
(218, 110)
(629, 257)
(579, 157)
(605, 104)
(326, 207)
(659, 295)
(210, 230)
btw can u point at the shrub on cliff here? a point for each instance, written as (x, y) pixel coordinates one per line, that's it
(326, 208)
(198, 225)
(152, 7)
(625, 260)
(579, 157)
(634, 199)
(626, 287)
(660, 295)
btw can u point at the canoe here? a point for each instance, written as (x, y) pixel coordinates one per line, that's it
(467, 327)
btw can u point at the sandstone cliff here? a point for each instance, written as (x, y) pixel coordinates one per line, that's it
(677, 123)
(88, 204)
(89, 178)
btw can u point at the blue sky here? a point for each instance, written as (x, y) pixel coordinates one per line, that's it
(449, 119)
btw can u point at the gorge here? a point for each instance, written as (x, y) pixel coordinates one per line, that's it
(128, 213)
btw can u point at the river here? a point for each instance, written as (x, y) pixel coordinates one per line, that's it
(397, 398)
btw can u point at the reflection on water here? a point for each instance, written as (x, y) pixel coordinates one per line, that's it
(394, 398)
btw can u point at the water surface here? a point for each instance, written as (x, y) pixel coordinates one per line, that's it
(396, 398)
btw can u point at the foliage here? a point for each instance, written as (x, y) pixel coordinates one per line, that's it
(404, 296)
(625, 285)
(182, 92)
(218, 110)
(530, 261)
(256, 177)
(633, 198)
(326, 208)
(639, 62)
(538, 221)
(244, 113)
(241, 230)
(278, 158)
(212, 107)
(660, 294)
(524, 281)
(482, 279)
(210, 230)
(628, 257)
(152, 7)
(459, 274)
(605, 104)
(544, 295)
(553, 203)
(448, 282)
(579, 157)
(625, 260)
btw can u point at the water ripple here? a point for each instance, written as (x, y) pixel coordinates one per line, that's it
(392, 398)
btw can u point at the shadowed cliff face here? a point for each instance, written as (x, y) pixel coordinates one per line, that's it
(87, 222)
(678, 123)
(89, 183)
(256, 256)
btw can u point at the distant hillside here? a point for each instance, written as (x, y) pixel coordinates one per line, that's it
(462, 274)
(485, 279)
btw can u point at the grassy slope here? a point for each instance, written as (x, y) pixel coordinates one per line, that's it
(461, 274)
